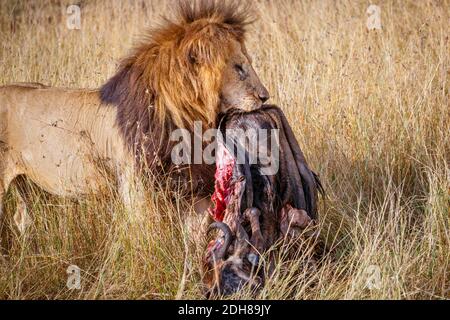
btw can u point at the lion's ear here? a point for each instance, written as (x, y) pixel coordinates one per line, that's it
(199, 53)
(192, 57)
(204, 49)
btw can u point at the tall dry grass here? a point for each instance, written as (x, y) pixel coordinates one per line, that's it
(370, 109)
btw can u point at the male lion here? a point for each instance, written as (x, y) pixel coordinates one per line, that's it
(185, 70)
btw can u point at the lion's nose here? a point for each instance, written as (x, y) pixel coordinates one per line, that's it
(263, 95)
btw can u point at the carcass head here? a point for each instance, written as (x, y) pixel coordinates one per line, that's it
(229, 265)
(233, 259)
(253, 210)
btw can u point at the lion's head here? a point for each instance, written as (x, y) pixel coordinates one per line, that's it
(191, 68)
(184, 70)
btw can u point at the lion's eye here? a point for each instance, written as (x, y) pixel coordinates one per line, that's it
(240, 70)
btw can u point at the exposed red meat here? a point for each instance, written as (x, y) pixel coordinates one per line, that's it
(223, 190)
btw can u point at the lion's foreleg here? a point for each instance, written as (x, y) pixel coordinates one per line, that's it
(21, 217)
(131, 191)
(201, 205)
(8, 172)
(2, 180)
(2, 195)
(198, 222)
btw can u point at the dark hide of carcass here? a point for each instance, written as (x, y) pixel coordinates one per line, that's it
(254, 206)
